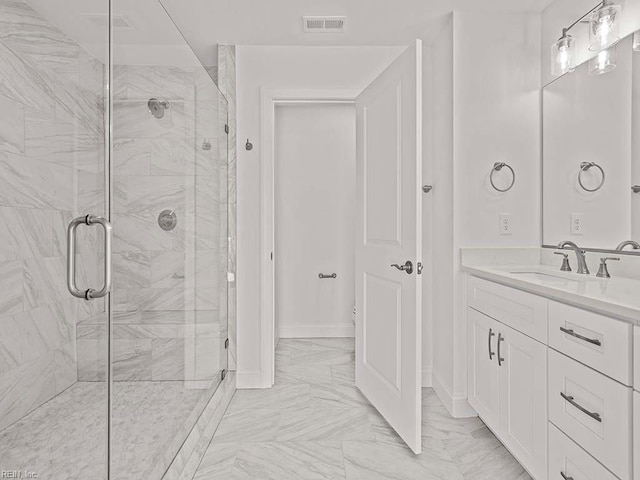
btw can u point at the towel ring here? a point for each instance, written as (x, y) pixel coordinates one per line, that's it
(496, 168)
(584, 166)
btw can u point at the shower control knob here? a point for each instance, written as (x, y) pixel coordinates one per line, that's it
(167, 220)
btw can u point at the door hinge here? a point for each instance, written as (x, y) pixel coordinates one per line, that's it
(223, 374)
(226, 343)
(271, 255)
(419, 268)
(226, 128)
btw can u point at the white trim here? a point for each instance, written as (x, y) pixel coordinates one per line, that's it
(269, 98)
(249, 379)
(457, 405)
(317, 331)
(427, 377)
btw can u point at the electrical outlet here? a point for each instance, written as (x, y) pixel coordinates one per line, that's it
(577, 224)
(505, 223)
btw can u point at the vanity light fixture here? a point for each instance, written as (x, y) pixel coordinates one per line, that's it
(604, 26)
(604, 62)
(563, 54)
(604, 32)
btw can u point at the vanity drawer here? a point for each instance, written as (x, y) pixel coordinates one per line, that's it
(601, 342)
(567, 458)
(592, 409)
(520, 310)
(636, 357)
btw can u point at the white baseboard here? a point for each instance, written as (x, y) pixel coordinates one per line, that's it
(457, 406)
(316, 331)
(427, 377)
(249, 379)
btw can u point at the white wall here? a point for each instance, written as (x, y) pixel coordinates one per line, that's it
(588, 119)
(315, 153)
(496, 112)
(292, 68)
(563, 13)
(440, 150)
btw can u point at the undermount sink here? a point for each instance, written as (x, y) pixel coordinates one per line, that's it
(545, 277)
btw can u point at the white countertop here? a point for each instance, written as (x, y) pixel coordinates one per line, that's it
(617, 297)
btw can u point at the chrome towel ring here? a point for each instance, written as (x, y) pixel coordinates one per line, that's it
(496, 168)
(584, 166)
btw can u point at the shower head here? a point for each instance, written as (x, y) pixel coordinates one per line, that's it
(156, 107)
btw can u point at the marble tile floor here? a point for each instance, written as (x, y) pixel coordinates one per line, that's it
(65, 438)
(314, 424)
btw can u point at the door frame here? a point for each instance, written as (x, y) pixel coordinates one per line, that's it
(269, 100)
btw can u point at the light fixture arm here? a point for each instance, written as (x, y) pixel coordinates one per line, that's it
(604, 3)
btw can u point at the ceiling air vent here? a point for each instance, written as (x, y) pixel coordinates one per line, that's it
(324, 24)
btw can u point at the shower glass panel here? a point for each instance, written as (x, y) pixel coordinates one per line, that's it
(53, 388)
(107, 112)
(169, 214)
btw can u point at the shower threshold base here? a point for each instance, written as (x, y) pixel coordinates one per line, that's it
(66, 437)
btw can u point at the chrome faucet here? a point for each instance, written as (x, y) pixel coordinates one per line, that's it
(628, 243)
(582, 261)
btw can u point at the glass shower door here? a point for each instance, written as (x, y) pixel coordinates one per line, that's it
(169, 214)
(53, 345)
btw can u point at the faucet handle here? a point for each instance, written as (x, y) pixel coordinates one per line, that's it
(565, 261)
(603, 271)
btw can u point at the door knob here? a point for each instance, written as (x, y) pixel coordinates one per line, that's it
(407, 267)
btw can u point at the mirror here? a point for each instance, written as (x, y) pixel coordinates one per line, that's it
(591, 155)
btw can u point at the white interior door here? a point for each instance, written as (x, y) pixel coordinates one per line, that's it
(389, 231)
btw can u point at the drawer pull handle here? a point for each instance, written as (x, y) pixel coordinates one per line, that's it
(593, 341)
(568, 398)
(565, 477)
(491, 334)
(500, 340)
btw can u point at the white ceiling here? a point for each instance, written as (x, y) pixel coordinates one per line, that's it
(151, 38)
(206, 23)
(279, 22)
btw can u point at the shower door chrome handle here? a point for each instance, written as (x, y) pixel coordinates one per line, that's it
(90, 293)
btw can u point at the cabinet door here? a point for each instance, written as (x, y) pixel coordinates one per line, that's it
(523, 399)
(636, 435)
(483, 377)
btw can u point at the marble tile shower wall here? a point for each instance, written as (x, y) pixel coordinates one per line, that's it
(169, 294)
(51, 170)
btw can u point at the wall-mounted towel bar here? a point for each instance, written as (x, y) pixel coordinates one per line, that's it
(325, 275)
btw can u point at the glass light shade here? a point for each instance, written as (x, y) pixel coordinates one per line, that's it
(563, 55)
(636, 41)
(604, 62)
(604, 27)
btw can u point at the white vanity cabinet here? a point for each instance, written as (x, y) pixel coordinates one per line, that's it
(483, 370)
(636, 405)
(555, 383)
(636, 435)
(523, 411)
(507, 374)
